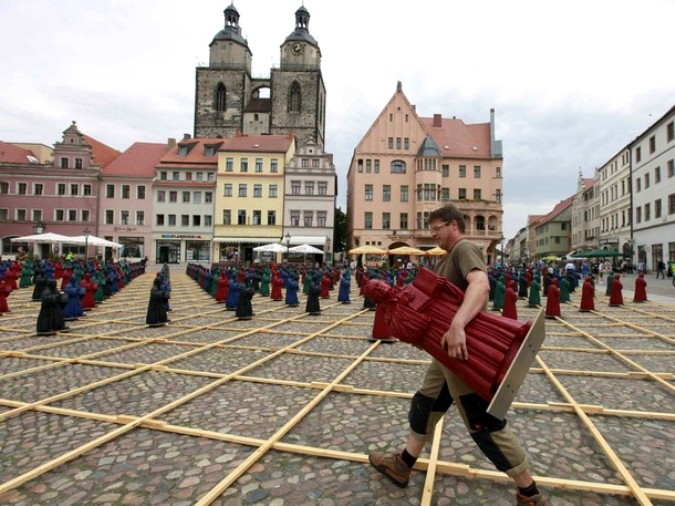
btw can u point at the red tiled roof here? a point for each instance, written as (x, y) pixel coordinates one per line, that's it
(195, 154)
(9, 153)
(103, 154)
(137, 161)
(261, 143)
(455, 138)
(587, 182)
(559, 208)
(259, 105)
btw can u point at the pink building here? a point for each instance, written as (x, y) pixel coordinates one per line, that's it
(62, 194)
(125, 214)
(406, 166)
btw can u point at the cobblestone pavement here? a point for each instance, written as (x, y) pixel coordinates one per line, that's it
(283, 409)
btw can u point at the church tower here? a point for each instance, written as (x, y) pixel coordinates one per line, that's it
(223, 88)
(298, 92)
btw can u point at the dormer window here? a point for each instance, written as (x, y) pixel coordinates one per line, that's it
(183, 150)
(209, 150)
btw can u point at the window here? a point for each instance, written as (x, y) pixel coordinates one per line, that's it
(242, 189)
(671, 168)
(671, 203)
(480, 222)
(386, 220)
(657, 208)
(406, 143)
(209, 150)
(186, 197)
(161, 196)
(369, 166)
(403, 220)
(315, 162)
(173, 196)
(196, 220)
(376, 166)
(160, 220)
(4, 215)
(321, 218)
(271, 217)
(61, 189)
(175, 176)
(258, 164)
(109, 191)
(476, 171)
(368, 220)
(274, 165)
(20, 215)
(445, 170)
(21, 188)
(227, 190)
(74, 189)
(390, 143)
(200, 176)
(648, 214)
(273, 191)
(307, 218)
(162, 175)
(461, 193)
(4, 188)
(227, 217)
(220, 100)
(462, 171)
(304, 162)
(184, 220)
(476, 194)
(295, 218)
(638, 185)
(38, 189)
(241, 217)
(78, 163)
(657, 175)
(37, 215)
(445, 194)
(359, 165)
(498, 172)
(140, 218)
(398, 167)
(172, 220)
(309, 187)
(59, 214)
(64, 163)
(126, 191)
(140, 192)
(498, 196)
(124, 217)
(183, 150)
(638, 154)
(295, 187)
(197, 198)
(229, 164)
(652, 144)
(257, 217)
(243, 165)
(398, 143)
(188, 176)
(646, 181)
(295, 98)
(257, 190)
(386, 193)
(323, 188)
(208, 221)
(404, 193)
(670, 131)
(109, 216)
(369, 192)
(208, 197)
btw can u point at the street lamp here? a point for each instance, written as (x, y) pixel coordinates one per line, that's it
(39, 227)
(287, 240)
(86, 243)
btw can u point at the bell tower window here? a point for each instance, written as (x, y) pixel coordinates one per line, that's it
(220, 103)
(295, 98)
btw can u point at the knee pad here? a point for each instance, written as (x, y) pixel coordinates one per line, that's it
(422, 406)
(475, 408)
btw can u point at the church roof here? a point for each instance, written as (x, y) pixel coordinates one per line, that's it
(232, 30)
(9, 153)
(137, 161)
(259, 105)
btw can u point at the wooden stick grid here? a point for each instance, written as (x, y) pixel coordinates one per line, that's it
(433, 465)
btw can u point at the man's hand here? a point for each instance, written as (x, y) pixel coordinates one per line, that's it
(454, 342)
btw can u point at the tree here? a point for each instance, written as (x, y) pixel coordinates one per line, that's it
(339, 231)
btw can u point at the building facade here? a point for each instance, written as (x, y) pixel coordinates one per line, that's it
(585, 230)
(406, 166)
(613, 181)
(183, 201)
(293, 99)
(553, 231)
(653, 183)
(310, 190)
(249, 205)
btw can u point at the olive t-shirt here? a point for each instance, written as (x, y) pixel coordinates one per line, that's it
(463, 258)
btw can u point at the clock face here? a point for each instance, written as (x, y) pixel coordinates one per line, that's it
(297, 48)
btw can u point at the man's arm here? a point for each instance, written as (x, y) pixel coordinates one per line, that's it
(475, 297)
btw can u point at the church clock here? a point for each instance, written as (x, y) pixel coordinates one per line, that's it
(297, 48)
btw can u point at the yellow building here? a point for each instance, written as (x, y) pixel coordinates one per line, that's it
(249, 203)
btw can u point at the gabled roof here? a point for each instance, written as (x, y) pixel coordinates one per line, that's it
(587, 182)
(137, 161)
(196, 152)
(103, 154)
(9, 153)
(455, 138)
(557, 210)
(258, 143)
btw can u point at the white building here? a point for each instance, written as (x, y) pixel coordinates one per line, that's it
(614, 181)
(585, 216)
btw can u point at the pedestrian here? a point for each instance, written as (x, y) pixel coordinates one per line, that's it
(464, 266)
(661, 269)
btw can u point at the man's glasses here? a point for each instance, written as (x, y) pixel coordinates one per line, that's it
(438, 227)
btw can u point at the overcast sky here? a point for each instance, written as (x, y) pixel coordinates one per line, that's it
(572, 82)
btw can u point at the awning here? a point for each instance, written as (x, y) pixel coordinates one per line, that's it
(306, 239)
(237, 240)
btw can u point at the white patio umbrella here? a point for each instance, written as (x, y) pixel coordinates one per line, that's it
(92, 240)
(274, 247)
(49, 237)
(306, 249)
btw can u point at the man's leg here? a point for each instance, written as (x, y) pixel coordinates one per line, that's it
(428, 405)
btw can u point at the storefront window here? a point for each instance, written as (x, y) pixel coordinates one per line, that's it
(197, 251)
(168, 252)
(132, 247)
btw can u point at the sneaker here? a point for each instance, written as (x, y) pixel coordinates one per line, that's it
(535, 500)
(392, 466)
